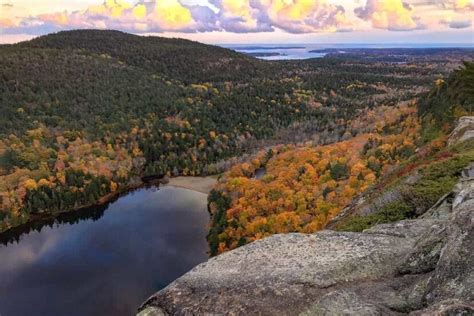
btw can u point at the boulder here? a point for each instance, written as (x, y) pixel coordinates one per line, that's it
(464, 130)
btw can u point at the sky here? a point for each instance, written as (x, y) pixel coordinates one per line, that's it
(249, 21)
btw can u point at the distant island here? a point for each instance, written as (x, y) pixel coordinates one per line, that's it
(266, 47)
(266, 54)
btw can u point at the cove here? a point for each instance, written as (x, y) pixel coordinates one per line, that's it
(104, 261)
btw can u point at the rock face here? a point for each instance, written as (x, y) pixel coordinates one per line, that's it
(463, 131)
(419, 267)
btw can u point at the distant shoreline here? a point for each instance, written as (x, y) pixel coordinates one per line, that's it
(240, 48)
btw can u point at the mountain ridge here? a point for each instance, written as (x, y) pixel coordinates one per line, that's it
(168, 56)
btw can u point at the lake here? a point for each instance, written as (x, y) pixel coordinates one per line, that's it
(107, 262)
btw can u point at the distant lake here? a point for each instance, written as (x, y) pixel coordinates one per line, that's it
(109, 263)
(303, 51)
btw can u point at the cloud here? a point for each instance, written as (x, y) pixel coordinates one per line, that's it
(305, 16)
(241, 16)
(7, 16)
(294, 16)
(244, 16)
(238, 16)
(394, 15)
(6, 23)
(454, 14)
(460, 24)
(457, 24)
(144, 16)
(459, 5)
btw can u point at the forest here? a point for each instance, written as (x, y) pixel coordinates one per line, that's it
(305, 187)
(86, 114)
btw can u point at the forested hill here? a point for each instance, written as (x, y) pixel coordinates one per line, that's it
(180, 59)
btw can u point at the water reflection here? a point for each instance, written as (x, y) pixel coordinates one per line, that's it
(14, 235)
(104, 263)
(260, 173)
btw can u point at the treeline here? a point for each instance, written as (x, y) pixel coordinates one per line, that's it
(78, 189)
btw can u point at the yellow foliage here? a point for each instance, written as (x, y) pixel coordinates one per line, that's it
(30, 184)
(44, 183)
(137, 152)
(113, 186)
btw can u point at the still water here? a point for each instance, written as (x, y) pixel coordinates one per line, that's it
(107, 261)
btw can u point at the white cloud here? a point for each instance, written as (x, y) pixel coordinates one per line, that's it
(305, 16)
(395, 15)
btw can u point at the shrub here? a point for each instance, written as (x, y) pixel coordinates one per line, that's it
(391, 212)
(436, 180)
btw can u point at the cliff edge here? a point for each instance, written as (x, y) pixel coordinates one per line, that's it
(422, 266)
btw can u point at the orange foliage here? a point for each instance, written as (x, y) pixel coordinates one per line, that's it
(305, 187)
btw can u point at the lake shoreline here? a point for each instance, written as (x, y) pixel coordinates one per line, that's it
(198, 184)
(49, 216)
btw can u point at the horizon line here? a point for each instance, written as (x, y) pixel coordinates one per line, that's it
(223, 44)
